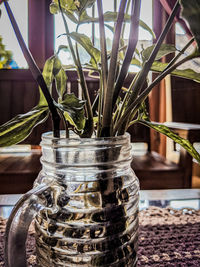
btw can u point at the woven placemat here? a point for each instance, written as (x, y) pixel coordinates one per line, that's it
(167, 238)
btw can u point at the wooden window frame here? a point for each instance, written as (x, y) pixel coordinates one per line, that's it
(40, 30)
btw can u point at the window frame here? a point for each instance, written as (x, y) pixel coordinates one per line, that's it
(40, 30)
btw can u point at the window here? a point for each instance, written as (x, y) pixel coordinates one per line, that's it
(39, 24)
(144, 37)
(181, 40)
(20, 10)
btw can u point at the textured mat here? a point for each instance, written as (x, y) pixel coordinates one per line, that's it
(167, 238)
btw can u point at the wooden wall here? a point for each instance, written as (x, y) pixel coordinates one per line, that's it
(185, 100)
(19, 93)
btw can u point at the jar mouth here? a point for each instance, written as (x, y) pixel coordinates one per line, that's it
(49, 136)
(75, 140)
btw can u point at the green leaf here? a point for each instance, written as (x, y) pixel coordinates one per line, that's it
(71, 16)
(69, 67)
(110, 16)
(164, 50)
(71, 6)
(112, 29)
(57, 65)
(85, 4)
(53, 70)
(166, 131)
(185, 73)
(68, 7)
(73, 110)
(191, 12)
(48, 77)
(61, 80)
(65, 48)
(91, 66)
(85, 18)
(147, 28)
(17, 129)
(48, 71)
(54, 9)
(136, 62)
(86, 43)
(60, 76)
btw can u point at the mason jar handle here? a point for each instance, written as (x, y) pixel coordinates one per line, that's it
(18, 225)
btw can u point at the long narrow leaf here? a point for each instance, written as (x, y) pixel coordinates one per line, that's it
(104, 64)
(165, 49)
(133, 39)
(17, 129)
(191, 12)
(86, 43)
(143, 74)
(73, 110)
(135, 99)
(184, 73)
(88, 130)
(107, 109)
(53, 70)
(179, 140)
(110, 16)
(37, 75)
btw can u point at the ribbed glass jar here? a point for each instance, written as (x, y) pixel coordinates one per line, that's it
(90, 216)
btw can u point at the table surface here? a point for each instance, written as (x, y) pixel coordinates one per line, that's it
(164, 233)
(175, 198)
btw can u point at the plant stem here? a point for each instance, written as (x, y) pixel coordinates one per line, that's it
(100, 106)
(168, 66)
(133, 39)
(107, 109)
(104, 63)
(65, 123)
(147, 65)
(179, 54)
(126, 98)
(93, 25)
(89, 123)
(115, 6)
(37, 75)
(124, 25)
(135, 105)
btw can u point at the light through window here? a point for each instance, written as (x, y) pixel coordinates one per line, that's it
(181, 39)
(20, 10)
(60, 39)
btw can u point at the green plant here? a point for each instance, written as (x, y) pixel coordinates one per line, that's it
(5, 55)
(109, 115)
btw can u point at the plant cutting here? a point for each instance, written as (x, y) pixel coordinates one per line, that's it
(86, 206)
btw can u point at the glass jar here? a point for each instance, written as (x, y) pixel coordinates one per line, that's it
(88, 215)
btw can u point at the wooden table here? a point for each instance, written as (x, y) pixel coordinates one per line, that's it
(18, 171)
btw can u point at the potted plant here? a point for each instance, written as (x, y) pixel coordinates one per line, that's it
(86, 198)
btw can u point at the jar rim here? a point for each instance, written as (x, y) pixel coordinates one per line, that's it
(48, 139)
(49, 136)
